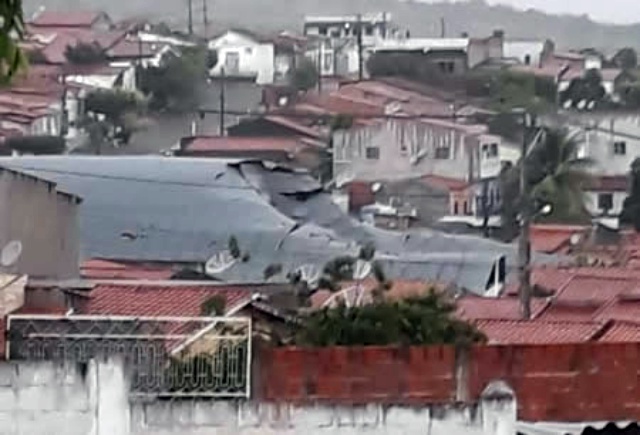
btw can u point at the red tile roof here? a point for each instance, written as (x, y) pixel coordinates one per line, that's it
(50, 18)
(475, 308)
(360, 194)
(159, 300)
(133, 49)
(552, 239)
(622, 332)
(446, 183)
(617, 183)
(594, 289)
(295, 126)
(227, 143)
(528, 332)
(105, 269)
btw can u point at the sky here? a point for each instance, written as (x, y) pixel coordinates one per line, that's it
(617, 11)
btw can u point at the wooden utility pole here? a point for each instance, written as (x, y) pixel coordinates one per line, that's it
(360, 48)
(190, 16)
(222, 102)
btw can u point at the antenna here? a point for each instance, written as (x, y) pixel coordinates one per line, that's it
(361, 270)
(219, 263)
(310, 274)
(10, 253)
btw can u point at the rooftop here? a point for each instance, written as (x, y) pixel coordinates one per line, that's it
(68, 18)
(230, 143)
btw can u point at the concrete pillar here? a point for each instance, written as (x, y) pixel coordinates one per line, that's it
(109, 392)
(498, 408)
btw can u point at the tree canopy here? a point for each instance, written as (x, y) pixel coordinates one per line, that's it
(587, 89)
(631, 208)
(85, 54)
(305, 75)
(626, 58)
(418, 321)
(12, 30)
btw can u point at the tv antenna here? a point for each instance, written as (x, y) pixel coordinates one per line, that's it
(309, 274)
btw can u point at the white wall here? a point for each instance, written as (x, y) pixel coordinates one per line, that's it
(591, 201)
(599, 142)
(48, 399)
(255, 59)
(523, 50)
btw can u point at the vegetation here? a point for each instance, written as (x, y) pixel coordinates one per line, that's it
(586, 90)
(626, 59)
(11, 57)
(85, 54)
(38, 145)
(417, 321)
(555, 176)
(214, 306)
(305, 75)
(516, 90)
(631, 208)
(406, 65)
(176, 86)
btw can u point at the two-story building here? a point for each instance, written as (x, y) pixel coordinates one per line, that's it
(397, 148)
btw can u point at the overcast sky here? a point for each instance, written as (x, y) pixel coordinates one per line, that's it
(619, 11)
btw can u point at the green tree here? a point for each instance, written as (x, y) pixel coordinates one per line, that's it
(38, 145)
(417, 321)
(12, 30)
(555, 175)
(177, 85)
(631, 208)
(407, 65)
(626, 58)
(305, 75)
(113, 104)
(588, 89)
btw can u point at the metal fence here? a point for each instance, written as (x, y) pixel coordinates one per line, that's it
(164, 356)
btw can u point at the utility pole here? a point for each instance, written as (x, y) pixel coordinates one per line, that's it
(64, 116)
(524, 241)
(485, 208)
(205, 18)
(443, 28)
(319, 63)
(222, 102)
(190, 16)
(360, 48)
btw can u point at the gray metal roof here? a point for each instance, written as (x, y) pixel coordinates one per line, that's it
(185, 210)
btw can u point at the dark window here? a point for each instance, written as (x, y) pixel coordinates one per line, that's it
(443, 153)
(368, 30)
(447, 67)
(335, 33)
(527, 60)
(455, 208)
(322, 30)
(620, 148)
(605, 201)
(490, 151)
(373, 153)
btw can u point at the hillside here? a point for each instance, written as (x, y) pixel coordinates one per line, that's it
(423, 19)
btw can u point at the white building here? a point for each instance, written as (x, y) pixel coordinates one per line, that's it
(526, 52)
(242, 54)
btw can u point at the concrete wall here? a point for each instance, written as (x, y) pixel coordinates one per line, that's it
(255, 59)
(44, 220)
(524, 51)
(45, 399)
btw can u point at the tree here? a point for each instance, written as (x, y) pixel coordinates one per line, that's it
(626, 59)
(177, 85)
(631, 208)
(12, 30)
(85, 54)
(113, 104)
(408, 65)
(588, 89)
(555, 176)
(305, 75)
(418, 321)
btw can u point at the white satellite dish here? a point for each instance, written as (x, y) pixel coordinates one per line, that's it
(376, 187)
(361, 270)
(591, 105)
(582, 104)
(310, 274)
(219, 263)
(568, 104)
(10, 253)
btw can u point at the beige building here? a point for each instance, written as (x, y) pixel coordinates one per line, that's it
(43, 221)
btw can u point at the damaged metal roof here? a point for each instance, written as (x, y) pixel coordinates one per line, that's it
(155, 208)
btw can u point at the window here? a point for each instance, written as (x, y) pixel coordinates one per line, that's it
(248, 50)
(335, 33)
(447, 67)
(620, 148)
(368, 30)
(373, 153)
(322, 30)
(455, 208)
(490, 151)
(443, 152)
(527, 59)
(327, 62)
(605, 201)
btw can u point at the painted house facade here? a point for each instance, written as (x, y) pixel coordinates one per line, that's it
(398, 149)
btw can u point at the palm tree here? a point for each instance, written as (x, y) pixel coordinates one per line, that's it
(11, 57)
(557, 176)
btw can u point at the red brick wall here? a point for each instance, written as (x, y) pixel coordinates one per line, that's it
(552, 383)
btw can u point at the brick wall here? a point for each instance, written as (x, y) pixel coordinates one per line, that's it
(583, 382)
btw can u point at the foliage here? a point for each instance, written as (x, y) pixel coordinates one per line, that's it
(112, 104)
(517, 90)
(555, 176)
(626, 59)
(407, 65)
(272, 270)
(341, 121)
(11, 57)
(305, 75)
(588, 89)
(631, 208)
(85, 54)
(214, 306)
(630, 95)
(38, 145)
(426, 320)
(176, 85)
(234, 247)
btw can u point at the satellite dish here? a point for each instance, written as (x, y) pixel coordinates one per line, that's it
(10, 253)
(568, 104)
(310, 274)
(574, 239)
(582, 104)
(591, 105)
(219, 263)
(361, 270)
(376, 187)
